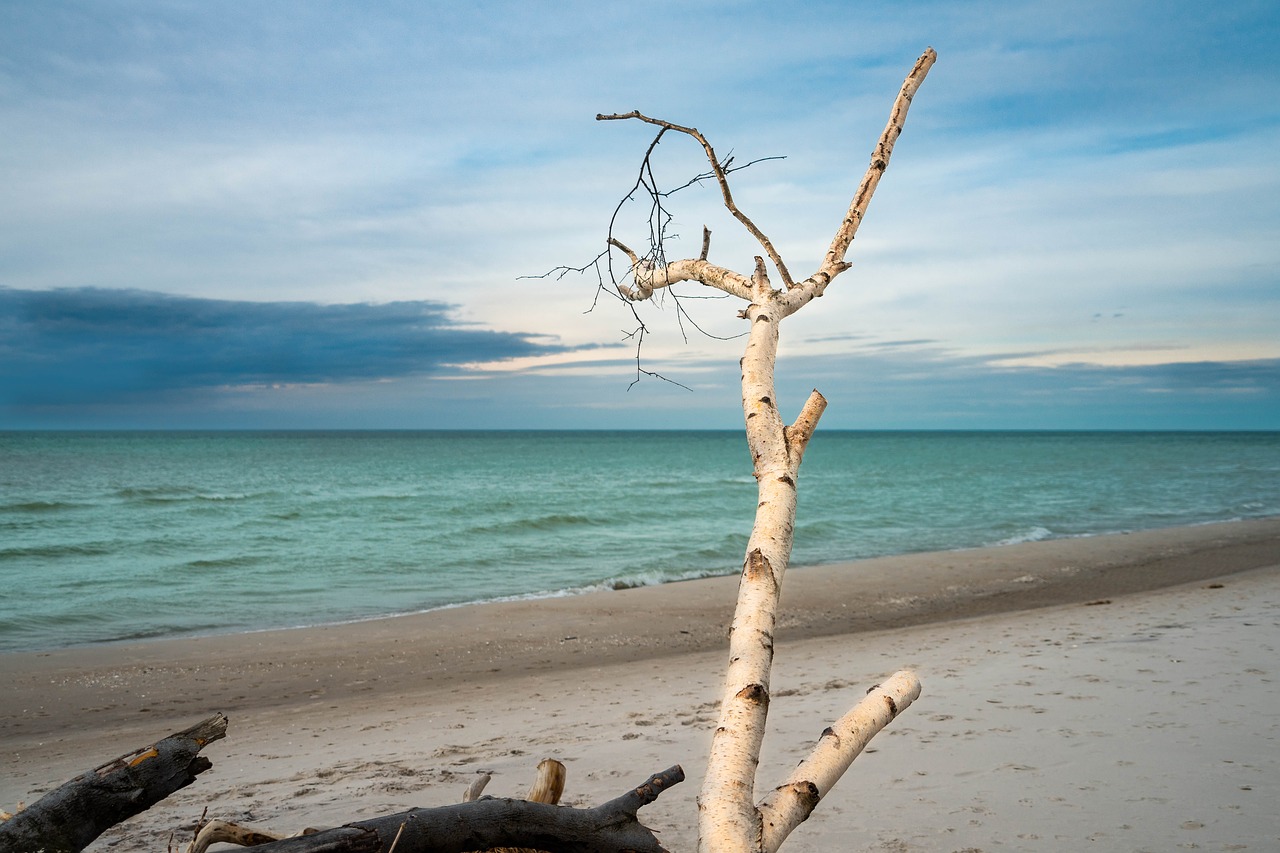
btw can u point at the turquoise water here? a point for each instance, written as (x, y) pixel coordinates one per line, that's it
(110, 536)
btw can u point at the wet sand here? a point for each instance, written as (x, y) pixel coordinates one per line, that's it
(1049, 718)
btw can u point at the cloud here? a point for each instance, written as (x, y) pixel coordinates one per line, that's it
(930, 387)
(424, 152)
(920, 386)
(81, 346)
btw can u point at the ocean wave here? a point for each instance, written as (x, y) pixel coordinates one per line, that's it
(38, 506)
(374, 497)
(541, 523)
(79, 549)
(149, 493)
(165, 631)
(622, 582)
(222, 563)
(1035, 534)
(175, 494)
(654, 578)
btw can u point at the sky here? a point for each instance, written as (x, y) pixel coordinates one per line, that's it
(334, 215)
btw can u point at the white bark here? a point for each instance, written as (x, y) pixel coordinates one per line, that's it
(729, 820)
(649, 278)
(791, 803)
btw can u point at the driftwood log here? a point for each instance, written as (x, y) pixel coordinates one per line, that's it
(70, 817)
(490, 823)
(548, 786)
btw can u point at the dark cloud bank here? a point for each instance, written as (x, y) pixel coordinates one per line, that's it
(84, 346)
(926, 386)
(124, 359)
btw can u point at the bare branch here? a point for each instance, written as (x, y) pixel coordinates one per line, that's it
(684, 316)
(548, 784)
(721, 178)
(729, 821)
(638, 333)
(834, 263)
(787, 806)
(594, 264)
(725, 166)
(626, 250)
(223, 832)
(649, 277)
(476, 788)
(563, 270)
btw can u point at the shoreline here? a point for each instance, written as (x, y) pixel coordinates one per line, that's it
(1178, 532)
(638, 623)
(493, 640)
(1045, 724)
(602, 589)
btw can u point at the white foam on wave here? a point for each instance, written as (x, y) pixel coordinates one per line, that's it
(1035, 534)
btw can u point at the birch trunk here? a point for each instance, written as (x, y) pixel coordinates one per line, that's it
(729, 819)
(726, 804)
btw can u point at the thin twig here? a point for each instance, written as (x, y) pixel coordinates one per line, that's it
(720, 177)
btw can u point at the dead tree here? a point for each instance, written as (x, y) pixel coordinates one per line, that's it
(729, 817)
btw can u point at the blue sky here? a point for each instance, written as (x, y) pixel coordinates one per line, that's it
(310, 214)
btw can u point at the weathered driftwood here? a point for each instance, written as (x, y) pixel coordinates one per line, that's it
(730, 821)
(490, 823)
(225, 832)
(70, 817)
(548, 786)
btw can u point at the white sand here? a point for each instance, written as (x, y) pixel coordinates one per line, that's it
(1149, 723)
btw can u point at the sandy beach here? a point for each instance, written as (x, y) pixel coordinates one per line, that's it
(1113, 692)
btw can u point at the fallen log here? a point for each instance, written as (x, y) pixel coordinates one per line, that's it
(70, 817)
(488, 823)
(547, 787)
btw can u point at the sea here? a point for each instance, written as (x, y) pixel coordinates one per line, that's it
(115, 536)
